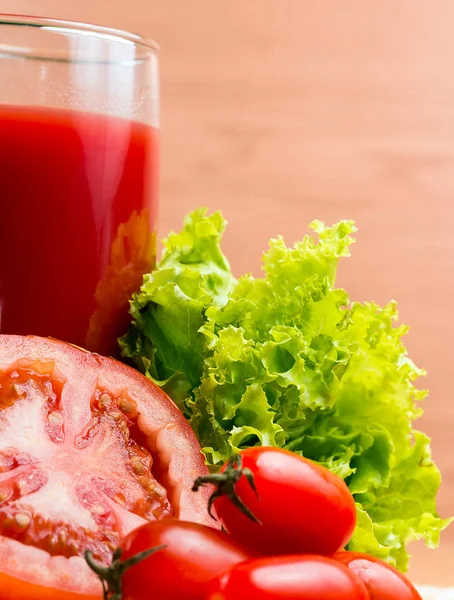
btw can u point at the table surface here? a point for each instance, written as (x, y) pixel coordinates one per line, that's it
(433, 593)
(281, 111)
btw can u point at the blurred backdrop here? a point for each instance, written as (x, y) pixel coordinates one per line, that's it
(281, 111)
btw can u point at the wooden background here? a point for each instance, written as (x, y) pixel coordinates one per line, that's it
(281, 111)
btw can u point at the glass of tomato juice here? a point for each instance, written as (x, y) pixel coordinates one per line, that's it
(79, 166)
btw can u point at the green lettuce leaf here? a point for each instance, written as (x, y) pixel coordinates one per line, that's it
(288, 360)
(169, 311)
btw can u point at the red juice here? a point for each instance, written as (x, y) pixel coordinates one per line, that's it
(78, 195)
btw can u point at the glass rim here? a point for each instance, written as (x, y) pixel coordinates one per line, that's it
(80, 27)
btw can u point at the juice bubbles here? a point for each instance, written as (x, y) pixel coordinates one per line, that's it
(78, 196)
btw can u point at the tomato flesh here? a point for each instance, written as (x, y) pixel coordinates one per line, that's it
(89, 450)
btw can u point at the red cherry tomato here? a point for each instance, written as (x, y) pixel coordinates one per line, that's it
(383, 581)
(193, 555)
(296, 577)
(302, 507)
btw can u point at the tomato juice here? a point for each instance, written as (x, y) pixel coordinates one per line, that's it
(78, 195)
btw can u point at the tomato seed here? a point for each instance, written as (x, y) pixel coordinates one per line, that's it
(127, 406)
(138, 468)
(55, 417)
(120, 499)
(98, 509)
(104, 401)
(22, 520)
(63, 537)
(124, 430)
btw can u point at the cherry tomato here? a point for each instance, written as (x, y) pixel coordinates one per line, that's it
(301, 506)
(296, 577)
(383, 581)
(193, 555)
(89, 450)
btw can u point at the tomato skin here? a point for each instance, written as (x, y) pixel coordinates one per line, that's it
(284, 577)
(382, 580)
(303, 507)
(193, 556)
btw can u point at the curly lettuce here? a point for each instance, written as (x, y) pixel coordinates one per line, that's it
(288, 360)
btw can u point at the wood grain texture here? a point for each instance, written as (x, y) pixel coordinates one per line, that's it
(281, 111)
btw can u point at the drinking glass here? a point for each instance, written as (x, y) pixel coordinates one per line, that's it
(79, 167)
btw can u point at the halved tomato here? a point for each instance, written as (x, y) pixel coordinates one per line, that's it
(89, 450)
